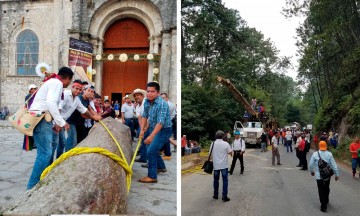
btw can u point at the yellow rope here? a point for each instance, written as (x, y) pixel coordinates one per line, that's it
(85, 150)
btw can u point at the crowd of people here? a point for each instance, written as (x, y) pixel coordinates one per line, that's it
(189, 146)
(75, 110)
(221, 148)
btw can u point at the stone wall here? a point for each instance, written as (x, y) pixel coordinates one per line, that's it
(46, 20)
(54, 21)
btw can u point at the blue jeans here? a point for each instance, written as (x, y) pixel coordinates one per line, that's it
(58, 144)
(263, 146)
(224, 174)
(155, 161)
(143, 147)
(167, 148)
(43, 137)
(130, 124)
(71, 140)
(289, 145)
(354, 163)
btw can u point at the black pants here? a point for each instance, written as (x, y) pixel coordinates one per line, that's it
(241, 159)
(81, 132)
(303, 161)
(182, 151)
(324, 191)
(298, 156)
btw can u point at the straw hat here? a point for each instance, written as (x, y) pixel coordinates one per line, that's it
(137, 91)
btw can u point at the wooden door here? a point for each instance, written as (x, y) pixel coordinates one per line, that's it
(125, 36)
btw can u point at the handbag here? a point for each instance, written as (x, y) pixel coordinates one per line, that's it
(208, 165)
(25, 121)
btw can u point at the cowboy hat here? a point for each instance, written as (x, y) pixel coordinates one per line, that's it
(137, 91)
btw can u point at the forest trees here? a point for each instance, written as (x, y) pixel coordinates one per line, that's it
(216, 41)
(329, 46)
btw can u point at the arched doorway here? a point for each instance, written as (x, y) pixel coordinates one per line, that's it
(121, 78)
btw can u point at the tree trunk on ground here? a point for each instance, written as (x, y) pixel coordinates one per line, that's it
(86, 183)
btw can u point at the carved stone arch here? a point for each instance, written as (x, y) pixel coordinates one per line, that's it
(12, 41)
(111, 11)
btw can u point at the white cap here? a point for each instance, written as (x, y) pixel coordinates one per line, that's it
(127, 96)
(32, 86)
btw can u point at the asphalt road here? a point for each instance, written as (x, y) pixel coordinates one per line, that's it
(264, 189)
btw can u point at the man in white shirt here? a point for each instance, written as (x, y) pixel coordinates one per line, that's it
(127, 114)
(288, 138)
(67, 106)
(48, 98)
(220, 150)
(139, 96)
(275, 142)
(172, 109)
(239, 150)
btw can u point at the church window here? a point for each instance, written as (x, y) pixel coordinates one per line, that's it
(27, 53)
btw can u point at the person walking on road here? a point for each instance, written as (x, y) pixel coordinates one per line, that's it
(302, 153)
(264, 140)
(275, 141)
(220, 160)
(239, 150)
(323, 185)
(354, 148)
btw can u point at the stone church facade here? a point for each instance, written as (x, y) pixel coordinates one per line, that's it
(33, 31)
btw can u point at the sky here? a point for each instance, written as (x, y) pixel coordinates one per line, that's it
(265, 16)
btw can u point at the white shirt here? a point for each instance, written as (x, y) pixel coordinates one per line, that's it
(288, 136)
(48, 98)
(69, 104)
(275, 141)
(239, 144)
(139, 109)
(220, 154)
(88, 121)
(128, 110)
(172, 109)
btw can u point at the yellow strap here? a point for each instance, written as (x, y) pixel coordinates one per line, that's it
(112, 136)
(85, 150)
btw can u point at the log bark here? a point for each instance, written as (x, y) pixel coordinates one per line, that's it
(83, 184)
(238, 96)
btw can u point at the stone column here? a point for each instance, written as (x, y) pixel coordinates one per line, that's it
(99, 69)
(151, 64)
(165, 61)
(173, 69)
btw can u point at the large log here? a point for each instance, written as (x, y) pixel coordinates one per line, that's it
(87, 183)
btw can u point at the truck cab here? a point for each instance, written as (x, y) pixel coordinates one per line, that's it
(249, 131)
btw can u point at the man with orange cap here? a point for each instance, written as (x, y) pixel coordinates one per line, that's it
(323, 184)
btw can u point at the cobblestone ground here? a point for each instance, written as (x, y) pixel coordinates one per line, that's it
(16, 166)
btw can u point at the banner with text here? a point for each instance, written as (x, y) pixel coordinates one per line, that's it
(80, 59)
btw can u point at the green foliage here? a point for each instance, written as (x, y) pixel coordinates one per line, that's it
(216, 41)
(342, 152)
(353, 118)
(329, 48)
(205, 143)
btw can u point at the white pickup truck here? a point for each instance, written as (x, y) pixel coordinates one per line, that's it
(250, 131)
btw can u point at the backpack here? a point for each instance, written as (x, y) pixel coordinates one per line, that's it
(324, 169)
(307, 146)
